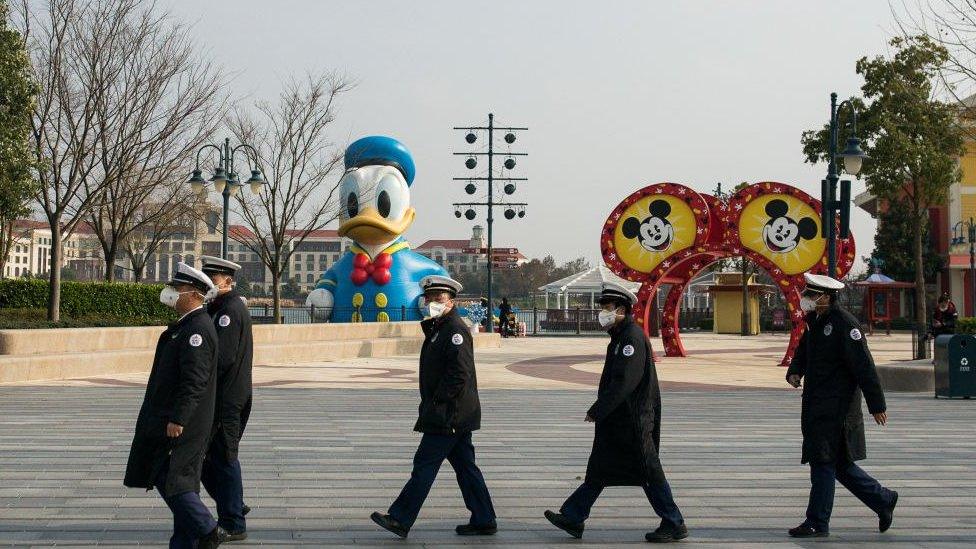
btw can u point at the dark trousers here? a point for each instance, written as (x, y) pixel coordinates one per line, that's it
(459, 451)
(577, 507)
(222, 480)
(861, 484)
(191, 518)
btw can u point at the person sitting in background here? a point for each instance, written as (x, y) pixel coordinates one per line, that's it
(944, 318)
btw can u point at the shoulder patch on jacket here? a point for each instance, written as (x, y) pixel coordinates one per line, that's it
(457, 339)
(223, 321)
(628, 350)
(856, 334)
(196, 340)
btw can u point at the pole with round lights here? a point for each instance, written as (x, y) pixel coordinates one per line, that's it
(958, 238)
(853, 157)
(225, 180)
(511, 209)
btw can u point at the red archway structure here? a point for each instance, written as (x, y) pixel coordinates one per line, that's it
(667, 234)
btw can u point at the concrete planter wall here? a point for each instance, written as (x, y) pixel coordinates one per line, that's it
(38, 355)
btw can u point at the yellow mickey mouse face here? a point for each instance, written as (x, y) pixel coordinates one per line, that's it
(652, 229)
(783, 229)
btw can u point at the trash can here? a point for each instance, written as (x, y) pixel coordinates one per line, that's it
(955, 361)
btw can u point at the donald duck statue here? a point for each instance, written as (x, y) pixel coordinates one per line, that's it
(377, 278)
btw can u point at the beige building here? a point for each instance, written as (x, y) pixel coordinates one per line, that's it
(464, 256)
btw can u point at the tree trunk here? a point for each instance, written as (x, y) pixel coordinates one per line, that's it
(920, 297)
(137, 272)
(6, 244)
(54, 289)
(276, 295)
(110, 254)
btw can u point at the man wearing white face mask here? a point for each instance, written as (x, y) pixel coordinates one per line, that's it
(627, 414)
(449, 411)
(835, 367)
(176, 418)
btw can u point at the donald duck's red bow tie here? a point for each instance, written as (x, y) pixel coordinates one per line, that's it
(363, 269)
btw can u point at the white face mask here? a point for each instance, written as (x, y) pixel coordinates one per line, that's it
(435, 309)
(169, 296)
(808, 305)
(606, 318)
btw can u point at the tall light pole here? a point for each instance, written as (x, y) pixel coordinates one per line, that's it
(225, 180)
(511, 209)
(853, 157)
(957, 238)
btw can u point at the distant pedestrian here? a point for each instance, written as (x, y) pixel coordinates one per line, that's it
(505, 319)
(627, 438)
(449, 412)
(222, 475)
(176, 418)
(944, 317)
(835, 367)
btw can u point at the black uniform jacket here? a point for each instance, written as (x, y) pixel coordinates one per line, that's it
(182, 390)
(448, 385)
(837, 367)
(627, 413)
(236, 348)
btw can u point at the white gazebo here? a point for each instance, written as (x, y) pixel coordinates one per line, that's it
(585, 283)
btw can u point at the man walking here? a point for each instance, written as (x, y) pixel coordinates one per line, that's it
(627, 414)
(449, 412)
(834, 365)
(221, 468)
(173, 429)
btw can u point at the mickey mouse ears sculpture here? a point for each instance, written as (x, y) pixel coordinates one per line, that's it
(667, 234)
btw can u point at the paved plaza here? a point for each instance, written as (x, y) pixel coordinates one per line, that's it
(330, 443)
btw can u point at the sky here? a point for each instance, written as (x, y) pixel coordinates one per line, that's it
(616, 95)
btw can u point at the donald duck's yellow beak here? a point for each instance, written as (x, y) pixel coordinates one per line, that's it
(369, 227)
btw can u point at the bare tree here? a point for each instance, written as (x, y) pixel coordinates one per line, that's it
(63, 42)
(153, 223)
(152, 118)
(299, 161)
(952, 24)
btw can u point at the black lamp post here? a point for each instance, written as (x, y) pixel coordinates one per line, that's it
(512, 209)
(853, 158)
(957, 238)
(225, 180)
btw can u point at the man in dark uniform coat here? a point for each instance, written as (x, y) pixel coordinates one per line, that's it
(221, 468)
(449, 412)
(835, 367)
(176, 418)
(627, 414)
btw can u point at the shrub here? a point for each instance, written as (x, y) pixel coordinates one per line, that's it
(117, 300)
(706, 324)
(966, 325)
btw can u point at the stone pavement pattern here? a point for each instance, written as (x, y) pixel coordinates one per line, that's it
(317, 461)
(725, 361)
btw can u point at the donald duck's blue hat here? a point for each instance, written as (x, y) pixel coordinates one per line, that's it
(380, 150)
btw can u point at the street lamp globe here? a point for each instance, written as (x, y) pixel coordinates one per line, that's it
(256, 181)
(853, 156)
(197, 182)
(219, 180)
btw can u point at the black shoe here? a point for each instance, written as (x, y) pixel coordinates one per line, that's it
(390, 523)
(227, 537)
(212, 539)
(245, 510)
(574, 529)
(667, 532)
(886, 516)
(804, 531)
(477, 529)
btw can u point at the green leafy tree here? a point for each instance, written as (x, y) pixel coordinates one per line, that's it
(892, 245)
(17, 92)
(914, 140)
(291, 290)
